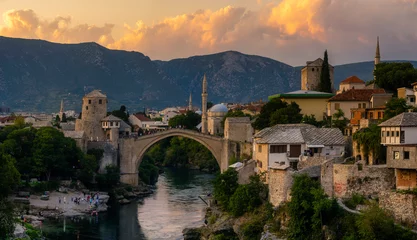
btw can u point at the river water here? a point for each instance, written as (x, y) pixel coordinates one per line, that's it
(163, 215)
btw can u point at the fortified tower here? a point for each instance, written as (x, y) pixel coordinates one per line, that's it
(94, 109)
(377, 55)
(204, 106)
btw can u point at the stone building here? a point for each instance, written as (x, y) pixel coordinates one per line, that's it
(399, 134)
(310, 75)
(94, 109)
(238, 129)
(215, 117)
(352, 82)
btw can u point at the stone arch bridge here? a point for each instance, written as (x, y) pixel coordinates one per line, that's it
(132, 150)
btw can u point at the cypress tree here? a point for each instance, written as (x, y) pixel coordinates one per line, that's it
(325, 83)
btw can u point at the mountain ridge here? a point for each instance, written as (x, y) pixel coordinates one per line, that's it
(36, 74)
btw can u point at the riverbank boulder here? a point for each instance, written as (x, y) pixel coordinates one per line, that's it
(191, 234)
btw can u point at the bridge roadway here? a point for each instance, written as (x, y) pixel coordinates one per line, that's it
(132, 150)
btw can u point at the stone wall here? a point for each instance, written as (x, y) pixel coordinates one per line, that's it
(403, 207)
(247, 170)
(280, 182)
(360, 178)
(310, 161)
(326, 179)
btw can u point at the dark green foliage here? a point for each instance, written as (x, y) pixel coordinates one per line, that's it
(325, 81)
(7, 218)
(354, 201)
(252, 230)
(369, 140)
(309, 209)
(277, 111)
(96, 152)
(248, 197)
(121, 113)
(376, 224)
(188, 121)
(110, 179)
(9, 175)
(394, 107)
(224, 186)
(391, 76)
(234, 113)
(148, 172)
(311, 119)
(89, 166)
(209, 105)
(339, 120)
(64, 118)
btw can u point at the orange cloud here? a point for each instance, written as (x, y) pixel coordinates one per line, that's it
(26, 24)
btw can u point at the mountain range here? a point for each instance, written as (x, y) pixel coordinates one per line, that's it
(35, 75)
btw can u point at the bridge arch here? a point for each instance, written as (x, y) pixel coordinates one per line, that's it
(131, 150)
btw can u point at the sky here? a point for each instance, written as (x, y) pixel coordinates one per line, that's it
(290, 31)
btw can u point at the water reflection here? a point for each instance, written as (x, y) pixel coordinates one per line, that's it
(174, 206)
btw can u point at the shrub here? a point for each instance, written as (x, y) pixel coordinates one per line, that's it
(252, 230)
(354, 201)
(225, 185)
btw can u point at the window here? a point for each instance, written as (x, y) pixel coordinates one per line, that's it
(260, 148)
(392, 134)
(336, 106)
(278, 149)
(397, 134)
(359, 105)
(382, 133)
(412, 99)
(363, 105)
(387, 133)
(260, 164)
(379, 115)
(111, 124)
(86, 107)
(89, 101)
(402, 137)
(312, 70)
(396, 155)
(371, 115)
(406, 155)
(100, 101)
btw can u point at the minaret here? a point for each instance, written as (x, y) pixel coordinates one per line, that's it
(190, 103)
(204, 106)
(377, 55)
(61, 110)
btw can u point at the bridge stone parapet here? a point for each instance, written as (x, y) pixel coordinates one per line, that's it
(132, 150)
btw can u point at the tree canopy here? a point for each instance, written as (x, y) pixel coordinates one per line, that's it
(277, 111)
(391, 76)
(325, 84)
(394, 107)
(369, 140)
(189, 120)
(121, 113)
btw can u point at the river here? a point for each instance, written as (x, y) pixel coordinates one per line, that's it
(163, 215)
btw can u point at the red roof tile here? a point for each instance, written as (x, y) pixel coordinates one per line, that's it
(356, 95)
(352, 79)
(142, 117)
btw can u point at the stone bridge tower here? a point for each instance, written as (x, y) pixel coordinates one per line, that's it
(94, 109)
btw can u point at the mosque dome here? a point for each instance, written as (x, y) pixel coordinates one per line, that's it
(198, 112)
(219, 108)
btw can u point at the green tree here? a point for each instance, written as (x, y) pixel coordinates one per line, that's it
(189, 120)
(209, 105)
(391, 76)
(369, 139)
(309, 209)
(20, 122)
(64, 118)
(54, 154)
(225, 185)
(325, 81)
(311, 119)
(339, 120)
(9, 175)
(7, 218)
(88, 167)
(263, 120)
(289, 114)
(394, 107)
(234, 113)
(121, 113)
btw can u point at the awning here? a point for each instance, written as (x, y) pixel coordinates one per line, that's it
(315, 146)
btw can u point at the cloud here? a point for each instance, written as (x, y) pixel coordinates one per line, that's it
(292, 31)
(26, 24)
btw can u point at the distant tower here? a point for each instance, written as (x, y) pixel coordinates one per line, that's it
(204, 106)
(377, 55)
(61, 110)
(94, 109)
(190, 103)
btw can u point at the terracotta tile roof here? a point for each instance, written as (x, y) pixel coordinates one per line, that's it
(356, 95)
(142, 117)
(352, 79)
